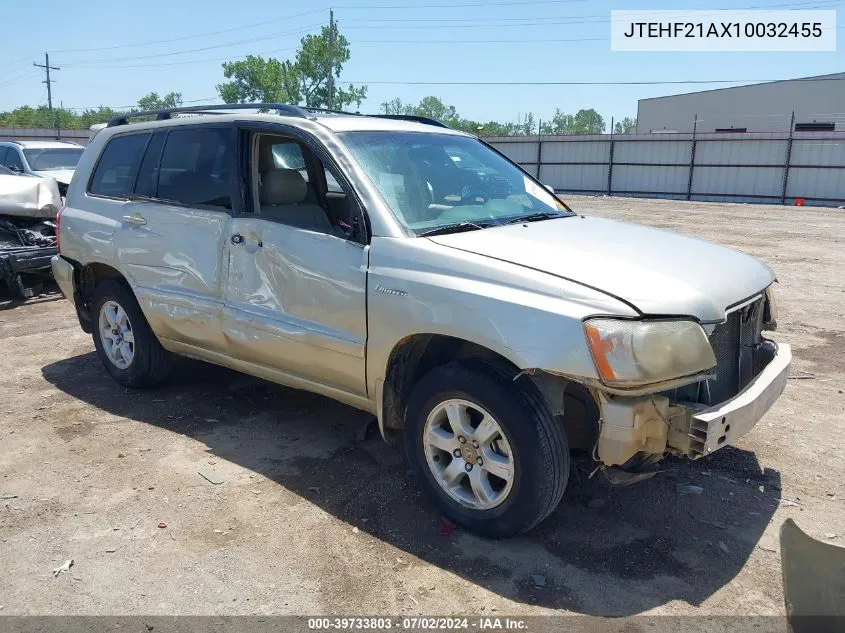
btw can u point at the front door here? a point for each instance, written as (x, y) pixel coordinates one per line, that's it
(296, 288)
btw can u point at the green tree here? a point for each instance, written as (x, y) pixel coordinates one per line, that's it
(434, 108)
(259, 80)
(582, 122)
(394, 106)
(625, 126)
(305, 80)
(588, 122)
(152, 101)
(319, 57)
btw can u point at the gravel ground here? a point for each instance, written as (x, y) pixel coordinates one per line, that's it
(309, 521)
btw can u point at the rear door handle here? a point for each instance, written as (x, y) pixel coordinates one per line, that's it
(239, 239)
(134, 220)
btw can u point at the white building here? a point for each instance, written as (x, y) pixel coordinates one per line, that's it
(818, 103)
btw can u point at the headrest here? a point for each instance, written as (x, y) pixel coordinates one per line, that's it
(283, 186)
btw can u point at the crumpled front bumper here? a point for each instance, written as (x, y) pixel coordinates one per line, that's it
(725, 423)
(656, 424)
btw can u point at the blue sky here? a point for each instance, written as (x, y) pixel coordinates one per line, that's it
(391, 40)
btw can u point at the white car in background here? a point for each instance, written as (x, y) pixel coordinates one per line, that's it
(52, 159)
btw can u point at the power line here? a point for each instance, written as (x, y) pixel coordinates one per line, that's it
(520, 41)
(190, 37)
(196, 50)
(8, 81)
(508, 3)
(580, 19)
(587, 83)
(228, 58)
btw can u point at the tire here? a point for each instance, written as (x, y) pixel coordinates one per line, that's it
(149, 362)
(534, 444)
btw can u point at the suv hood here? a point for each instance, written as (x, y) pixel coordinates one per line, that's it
(657, 272)
(61, 175)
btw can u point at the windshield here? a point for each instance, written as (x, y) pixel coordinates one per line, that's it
(53, 158)
(437, 180)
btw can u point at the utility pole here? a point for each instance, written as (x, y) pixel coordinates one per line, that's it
(46, 66)
(331, 60)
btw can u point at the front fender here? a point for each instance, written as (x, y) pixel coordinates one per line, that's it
(530, 318)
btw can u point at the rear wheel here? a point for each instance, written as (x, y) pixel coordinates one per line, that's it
(126, 345)
(486, 450)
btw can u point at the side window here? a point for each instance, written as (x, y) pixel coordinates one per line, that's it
(3, 151)
(118, 166)
(13, 159)
(147, 183)
(196, 167)
(294, 188)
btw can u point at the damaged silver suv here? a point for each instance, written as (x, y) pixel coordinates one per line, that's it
(412, 271)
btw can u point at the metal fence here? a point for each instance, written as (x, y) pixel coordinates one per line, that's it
(43, 134)
(770, 167)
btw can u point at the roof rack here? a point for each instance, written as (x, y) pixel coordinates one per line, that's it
(410, 117)
(163, 115)
(284, 109)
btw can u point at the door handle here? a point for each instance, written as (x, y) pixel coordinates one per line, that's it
(239, 239)
(134, 220)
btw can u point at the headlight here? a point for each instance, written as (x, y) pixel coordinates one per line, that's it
(628, 353)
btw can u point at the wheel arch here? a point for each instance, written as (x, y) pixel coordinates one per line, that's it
(571, 402)
(86, 278)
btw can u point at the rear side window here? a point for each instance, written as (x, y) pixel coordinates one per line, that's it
(118, 166)
(196, 167)
(147, 184)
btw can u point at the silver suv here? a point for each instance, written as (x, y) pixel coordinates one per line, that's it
(412, 271)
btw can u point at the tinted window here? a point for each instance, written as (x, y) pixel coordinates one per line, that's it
(3, 151)
(148, 173)
(196, 167)
(53, 158)
(118, 165)
(13, 159)
(5, 171)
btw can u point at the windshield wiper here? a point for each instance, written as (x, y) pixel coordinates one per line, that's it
(536, 217)
(457, 227)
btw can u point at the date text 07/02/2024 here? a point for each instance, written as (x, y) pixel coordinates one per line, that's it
(417, 624)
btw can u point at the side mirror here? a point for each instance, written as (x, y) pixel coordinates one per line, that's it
(15, 168)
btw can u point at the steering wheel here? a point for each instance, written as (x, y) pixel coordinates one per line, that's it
(472, 196)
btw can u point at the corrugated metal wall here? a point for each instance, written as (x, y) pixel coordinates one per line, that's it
(756, 167)
(43, 134)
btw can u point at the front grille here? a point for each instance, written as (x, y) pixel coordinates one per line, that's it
(741, 353)
(734, 343)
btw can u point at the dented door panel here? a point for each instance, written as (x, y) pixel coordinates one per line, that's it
(295, 301)
(174, 256)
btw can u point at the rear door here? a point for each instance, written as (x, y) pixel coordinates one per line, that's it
(172, 231)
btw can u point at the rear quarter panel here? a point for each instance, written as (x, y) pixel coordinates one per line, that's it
(88, 223)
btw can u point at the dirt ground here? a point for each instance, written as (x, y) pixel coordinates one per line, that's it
(307, 521)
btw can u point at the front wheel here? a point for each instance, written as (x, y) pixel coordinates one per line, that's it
(487, 451)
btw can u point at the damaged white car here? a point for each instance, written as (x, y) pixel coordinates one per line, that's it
(48, 159)
(411, 270)
(28, 208)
